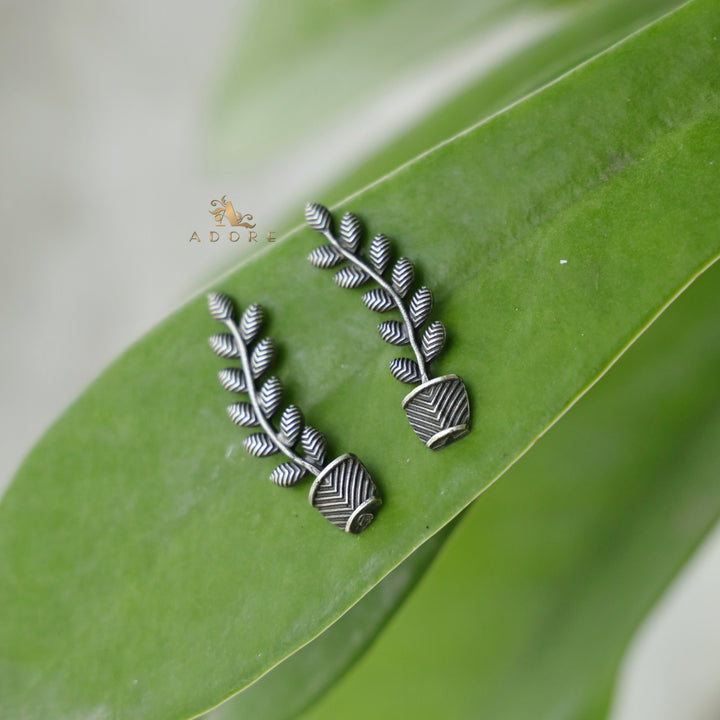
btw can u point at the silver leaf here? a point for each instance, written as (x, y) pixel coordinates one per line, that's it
(260, 445)
(287, 474)
(351, 277)
(250, 322)
(224, 345)
(393, 332)
(420, 306)
(378, 300)
(405, 370)
(402, 276)
(232, 379)
(433, 340)
(242, 413)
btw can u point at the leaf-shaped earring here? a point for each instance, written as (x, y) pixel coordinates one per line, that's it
(343, 490)
(438, 409)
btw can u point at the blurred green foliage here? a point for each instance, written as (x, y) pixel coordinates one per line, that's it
(147, 571)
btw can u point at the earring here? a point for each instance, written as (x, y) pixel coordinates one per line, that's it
(343, 490)
(438, 409)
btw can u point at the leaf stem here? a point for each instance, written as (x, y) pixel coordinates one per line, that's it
(380, 280)
(259, 414)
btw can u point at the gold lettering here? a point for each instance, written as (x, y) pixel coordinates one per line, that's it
(195, 237)
(233, 236)
(252, 236)
(271, 236)
(214, 236)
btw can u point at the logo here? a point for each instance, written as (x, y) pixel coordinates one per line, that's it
(223, 210)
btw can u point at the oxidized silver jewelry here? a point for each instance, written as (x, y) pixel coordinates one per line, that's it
(343, 490)
(438, 409)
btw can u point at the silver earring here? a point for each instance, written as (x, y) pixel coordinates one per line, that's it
(438, 409)
(343, 490)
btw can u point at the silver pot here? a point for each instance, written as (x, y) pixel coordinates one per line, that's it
(439, 411)
(345, 494)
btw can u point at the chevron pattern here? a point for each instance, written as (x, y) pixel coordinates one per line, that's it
(318, 217)
(250, 322)
(223, 345)
(435, 409)
(341, 489)
(393, 332)
(325, 256)
(439, 405)
(433, 340)
(270, 396)
(379, 252)
(232, 379)
(378, 300)
(260, 445)
(344, 491)
(221, 307)
(291, 424)
(402, 276)
(405, 370)
(242, 413)
(262, 356)
(350, 231)
(314, 445)
(351, 277)
(420, 306)
(287, 474)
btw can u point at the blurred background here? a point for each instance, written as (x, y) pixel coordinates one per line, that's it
(122, 121)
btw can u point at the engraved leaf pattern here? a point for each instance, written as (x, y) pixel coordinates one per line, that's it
(405, 370)
(287, 474)
(291, 424)
(242, 413)
(379, 253)
(221, 307)
(232, 379)
(265, 400)
(433, 340)
(251, 322)
(420, 306)
(314, 445)
(325, 256)
(393, 332)
(260, 445)
(262, 356)
(223, 345)
(318, 217)
(351, 277)
(402, 276)
(378, 300)
(270, 396)
(350, 232)
(390, 295)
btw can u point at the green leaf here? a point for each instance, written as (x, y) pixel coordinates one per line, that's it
(300, 679)
(326, 63)
(149, 569)
(529, 609)
(577, 31)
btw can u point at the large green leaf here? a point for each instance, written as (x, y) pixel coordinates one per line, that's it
(529, 608)
(304, 676)
(583, 29)
(148, 570)
(327, 64)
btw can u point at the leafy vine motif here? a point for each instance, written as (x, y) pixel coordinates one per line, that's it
(392, 293)
(255, 357)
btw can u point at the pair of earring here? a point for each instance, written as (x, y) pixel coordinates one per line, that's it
(438, 408)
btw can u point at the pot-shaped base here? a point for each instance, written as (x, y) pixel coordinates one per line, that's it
(439, 411)
(345, 494)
